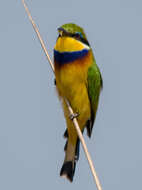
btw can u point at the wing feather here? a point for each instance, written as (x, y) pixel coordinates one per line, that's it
(95, 83)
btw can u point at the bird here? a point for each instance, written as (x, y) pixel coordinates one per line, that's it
(78, 80)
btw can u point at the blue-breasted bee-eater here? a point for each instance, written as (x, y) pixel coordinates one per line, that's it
(78, 79)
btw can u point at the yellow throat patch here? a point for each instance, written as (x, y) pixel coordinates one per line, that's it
(68, 44)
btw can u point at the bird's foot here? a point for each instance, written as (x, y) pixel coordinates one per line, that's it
(74, 115)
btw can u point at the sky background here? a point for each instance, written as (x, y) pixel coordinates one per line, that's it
(31, 118)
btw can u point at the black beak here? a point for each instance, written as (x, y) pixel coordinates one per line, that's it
(62, 31)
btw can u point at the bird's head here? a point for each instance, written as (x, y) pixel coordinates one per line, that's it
(71, 38)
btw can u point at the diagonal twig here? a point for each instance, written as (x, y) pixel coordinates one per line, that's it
(68, 105)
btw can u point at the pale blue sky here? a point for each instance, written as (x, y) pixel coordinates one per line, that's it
(32, 122)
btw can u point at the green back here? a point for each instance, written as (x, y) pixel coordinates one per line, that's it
(95, 84)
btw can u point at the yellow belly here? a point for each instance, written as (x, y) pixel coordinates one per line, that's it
(71, 80)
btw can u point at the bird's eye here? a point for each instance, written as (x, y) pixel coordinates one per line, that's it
(78, 35)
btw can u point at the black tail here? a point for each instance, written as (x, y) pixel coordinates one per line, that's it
(89, 127)
(77, 150)
(68, 170)
(66, 134)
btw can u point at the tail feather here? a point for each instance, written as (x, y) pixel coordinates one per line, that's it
(77, 150)
(66, 134)
(89, 127)
(65, 147)
(68, 170)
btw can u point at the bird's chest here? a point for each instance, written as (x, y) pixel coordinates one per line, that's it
(71, 78)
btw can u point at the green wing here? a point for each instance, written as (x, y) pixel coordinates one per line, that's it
(95, 83)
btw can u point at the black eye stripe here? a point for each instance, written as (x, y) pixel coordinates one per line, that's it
(85, 41)
(76, 36)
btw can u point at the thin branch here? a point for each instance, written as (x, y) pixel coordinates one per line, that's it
(69, 107)
(85, 148)
(38, 34)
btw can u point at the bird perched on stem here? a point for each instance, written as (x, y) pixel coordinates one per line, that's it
(79, 81)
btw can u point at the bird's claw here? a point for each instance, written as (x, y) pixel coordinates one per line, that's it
(74, 115)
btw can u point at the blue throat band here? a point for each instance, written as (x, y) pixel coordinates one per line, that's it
(67, 57)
